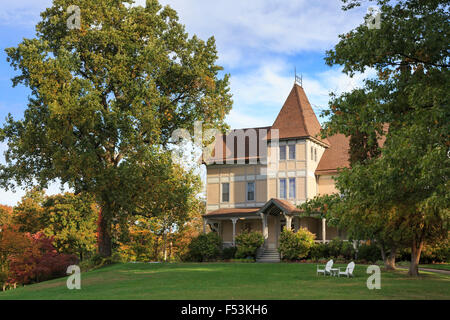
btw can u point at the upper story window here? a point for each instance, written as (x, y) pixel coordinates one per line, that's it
(250, 191)
(292, 188)
(282, 152)
(312, 153)
(315, 154)
(292, 152)
(225, 192)
(282, 188)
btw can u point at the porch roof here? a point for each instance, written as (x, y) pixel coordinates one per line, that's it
(276, 206)
(232, 212)
(273, 206)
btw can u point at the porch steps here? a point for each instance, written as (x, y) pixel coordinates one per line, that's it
(269, 256)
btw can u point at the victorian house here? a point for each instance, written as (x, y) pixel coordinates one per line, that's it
(256, 177)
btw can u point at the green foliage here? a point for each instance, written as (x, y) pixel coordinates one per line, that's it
(295, 245)
(6, 215)
(369, 253)
(397, 195)
(28, 214)
(248, 243)
(436, 253)
(335, 249)
(441, 253)
(71, 221)
(205, 247)
(347, 250)
(139, 242)
(97, 261)
(319, 251)
(106, 100)
(229, 253)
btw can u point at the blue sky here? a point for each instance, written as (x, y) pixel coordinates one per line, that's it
(260, 42)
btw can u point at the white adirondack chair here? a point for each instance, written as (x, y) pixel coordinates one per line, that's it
(326, 270)
(348, 271)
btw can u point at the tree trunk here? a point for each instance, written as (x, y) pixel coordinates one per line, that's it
(104, 234)
(383, 254)
(156, 249)
(416, 250)
(165, 246)
(389, 261)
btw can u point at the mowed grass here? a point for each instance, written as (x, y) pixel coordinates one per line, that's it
(212, 281)
(442, 266)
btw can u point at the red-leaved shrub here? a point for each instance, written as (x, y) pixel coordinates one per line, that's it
(39, 261)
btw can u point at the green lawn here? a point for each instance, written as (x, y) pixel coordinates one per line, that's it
(441, 266)
(233, 281)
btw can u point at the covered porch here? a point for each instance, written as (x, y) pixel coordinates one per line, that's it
(270, 220)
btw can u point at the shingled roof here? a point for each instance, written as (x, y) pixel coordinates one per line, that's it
(297, 119)
(233, 155)
(231, 212)
(336, 156)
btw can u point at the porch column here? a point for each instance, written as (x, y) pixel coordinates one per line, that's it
(324, 230)
(205, 222)
(265, 228)
(288, 222)
(234, 220)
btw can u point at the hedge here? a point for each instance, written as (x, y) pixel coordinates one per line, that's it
(295, 245)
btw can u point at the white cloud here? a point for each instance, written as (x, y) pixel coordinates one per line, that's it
(246, 29)
(259, 95)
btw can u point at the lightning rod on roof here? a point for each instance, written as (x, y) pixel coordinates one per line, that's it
(298, 79)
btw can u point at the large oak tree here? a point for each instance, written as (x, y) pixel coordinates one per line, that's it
(105, 100)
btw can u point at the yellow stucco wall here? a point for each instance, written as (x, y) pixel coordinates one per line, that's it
(267, 186)
(213, 192)
(327, 185)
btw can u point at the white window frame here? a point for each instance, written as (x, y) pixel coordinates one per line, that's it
(293, 146)
(254, 190)
(285, 153)
(221, 192)
(279, 188)
(289, 187)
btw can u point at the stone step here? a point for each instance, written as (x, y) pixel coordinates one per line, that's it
(269, 256)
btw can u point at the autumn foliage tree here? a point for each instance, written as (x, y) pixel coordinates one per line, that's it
(12, 242)
(6, 215)
(38, 262)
